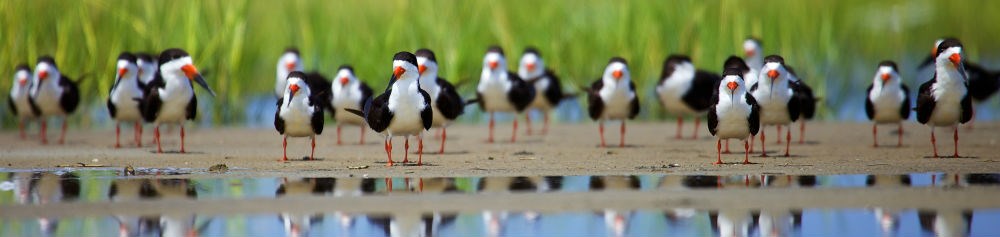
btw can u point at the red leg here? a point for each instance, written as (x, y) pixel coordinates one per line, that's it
(513, 135)
(312, 154)
(20, 126)
(697, 122)
(900, 144)
(763, 150)
(118, 135)
(622, 142)
(388, 150)
(527, 121)
(362, 142)
(956, 141)
(182, 137)
(752, 138)
(420, 150)
(934, 142)
(545, 125)
(600, 129)
(444, 137)
(778, 134)
(339, 142)
(788, 140)
(42, 133)
(718, 148)
(875, 135)
(156, 136)
(138, 134)
(746, 155)
(492, 124)
(62, 136)
(680, 124)
(406, 149)
(284, 148)
(727, 147)
(802, 132)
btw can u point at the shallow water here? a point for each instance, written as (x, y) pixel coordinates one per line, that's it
(89, 202)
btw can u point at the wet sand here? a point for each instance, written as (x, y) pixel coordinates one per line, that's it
(568, 149)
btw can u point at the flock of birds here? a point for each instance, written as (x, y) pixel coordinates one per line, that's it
(759, 91)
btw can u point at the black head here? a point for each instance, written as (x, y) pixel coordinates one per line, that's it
(127, 57)
(292, 50)
(171, 54)
(495, 49)
(406, 57)
(946, 44)
(532, 50)
(736, 63)
(774, 59)
(144, 57)
(47, 59)
(732, 72)
(22, 67)
(618, 59)
(296, 74)
(426, 53)
(889, 63)
(675, 59)
(346, 66)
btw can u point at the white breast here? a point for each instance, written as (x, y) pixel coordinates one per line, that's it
(886, 101)
(494, 88)
(540, 101)
(948, 94)
(774, 106)
(348, 97)
(297, 115)
(20, 96)
(733, 118)
(672, 90)
(47, 97)
(124, 98)
(405, 103)
(617, 100)
(175, 96)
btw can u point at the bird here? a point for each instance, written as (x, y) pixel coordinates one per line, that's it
(18, 99)
(983, 83)
(532, 70)
(737, 63)
(734, 113)
(300, 116)
(500, 90)
(685, 91)
(778, 105)
(123, 104)
(446, 104)
(52, 95)
(403, 109)
(349, 93)
(169, 98)
(807, 103)
(147, 68)
(754, 59)
(288, 62)
(945, 100)
(887, 100)
(613, 97)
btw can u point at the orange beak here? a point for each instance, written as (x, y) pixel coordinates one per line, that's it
(421, 69)
(343, 80)
(493, 65)
(731, 85)
(121, 72)
(885, 77)
(189, 71)
(290, 66)
(398, 71)
(955, 59)
(530, 66)
(617, 74)
(294, 88)
(749, 53)
(43, 74)
(773, 74)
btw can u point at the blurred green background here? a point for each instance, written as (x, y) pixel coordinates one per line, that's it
(835, 44)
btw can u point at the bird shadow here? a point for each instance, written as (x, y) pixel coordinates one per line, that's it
(177, 152)
(407, 164)
(951, 157)
(464, 152)
(617, 146)
(737, 163)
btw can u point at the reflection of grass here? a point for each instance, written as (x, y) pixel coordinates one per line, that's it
(238, 41)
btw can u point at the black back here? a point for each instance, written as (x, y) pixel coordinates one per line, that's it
(521, 93)
(449, 103)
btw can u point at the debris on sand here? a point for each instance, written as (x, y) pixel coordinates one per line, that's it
(219, 168)
(357, 167)
(523, 153)
(80, 165)
(128, 171)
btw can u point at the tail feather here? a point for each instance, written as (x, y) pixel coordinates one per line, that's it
(471, 101)
(355, 112)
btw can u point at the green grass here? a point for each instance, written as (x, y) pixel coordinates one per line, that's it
(834, 43)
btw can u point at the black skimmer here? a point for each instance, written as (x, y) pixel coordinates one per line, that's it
(288, 63)
(685, 91)
(297, 224)
(500, 90)
(130, 190)
(807, 103)
(349, 93)
(887, 100)
(123, 99)
(532, 69)
(169, 98)
(737, 63)
(734, 112)
(299, 114)
(613, 97)
(52, 94)
(983, 83)
(18, 99)
(778, 105)
(403, 109)
(754, 59)
(147, 68)
(615, 220)
(445, 101)
(945, 100)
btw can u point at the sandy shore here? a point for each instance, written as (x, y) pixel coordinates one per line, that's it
(568, 149)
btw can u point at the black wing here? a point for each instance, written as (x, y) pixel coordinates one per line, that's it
(634, 110)
(449, 103)
(713, 120)
(377, 111)
(595, 104)
(34, 107)
(904, 110)
(279, 124)
(426, 113)
(10, 104)
(870, 108)
(317, 119)
(150, 104)
(925, 102)
(521, 93)
(554, 93)
(366, 93)
(71, 95)
(794, 107)
(807, 101)
(966, 108)
(982, 82)
(754, 118)
(700, 93)
(322, 92)
(111, 108)
(192, 107)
